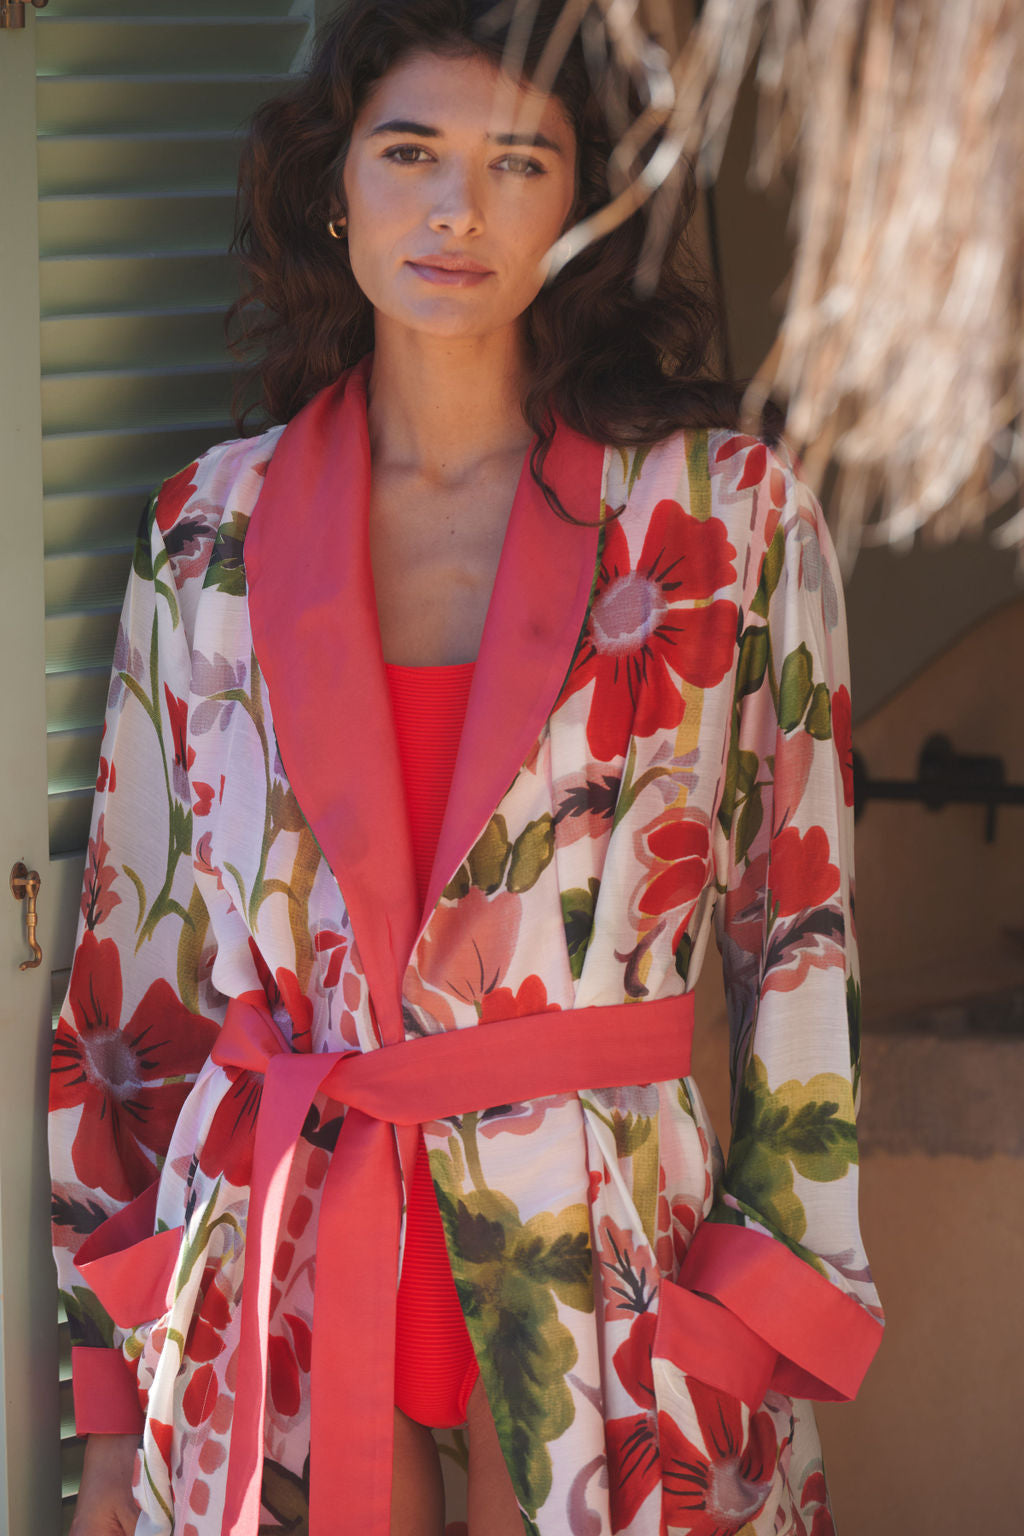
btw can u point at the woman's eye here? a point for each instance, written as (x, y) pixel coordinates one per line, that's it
(397, 153)
(522, 165)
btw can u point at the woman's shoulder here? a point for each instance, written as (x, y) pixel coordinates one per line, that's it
(198, 516)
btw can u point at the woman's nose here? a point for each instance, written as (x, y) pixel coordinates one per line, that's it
(457, 205)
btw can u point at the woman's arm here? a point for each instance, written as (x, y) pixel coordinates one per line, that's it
(781, 1251)
(133, 1032)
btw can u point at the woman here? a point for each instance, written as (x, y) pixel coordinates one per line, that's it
(446, 722)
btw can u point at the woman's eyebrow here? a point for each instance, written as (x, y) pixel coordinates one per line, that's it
(424, 131)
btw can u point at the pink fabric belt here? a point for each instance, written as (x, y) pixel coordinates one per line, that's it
(402, 1085)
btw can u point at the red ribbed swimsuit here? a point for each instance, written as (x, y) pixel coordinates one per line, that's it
(435, 1368)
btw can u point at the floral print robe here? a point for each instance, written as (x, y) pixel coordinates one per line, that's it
(657, 746)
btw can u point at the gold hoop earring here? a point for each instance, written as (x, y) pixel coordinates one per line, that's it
(332, 231)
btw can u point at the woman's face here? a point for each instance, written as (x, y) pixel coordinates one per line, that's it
(446, 184)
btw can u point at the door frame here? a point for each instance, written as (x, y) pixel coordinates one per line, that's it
(30, 1487)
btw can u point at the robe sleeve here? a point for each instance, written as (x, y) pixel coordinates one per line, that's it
(139, 1018)
(777, 1270)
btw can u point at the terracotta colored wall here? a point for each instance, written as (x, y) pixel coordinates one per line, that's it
(932, 1444)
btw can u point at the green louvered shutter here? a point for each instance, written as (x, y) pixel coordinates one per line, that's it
(140, 105)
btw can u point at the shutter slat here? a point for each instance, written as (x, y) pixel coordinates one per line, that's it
(76, 698)
(74, 286)
(137, 397)
(66, 45)
(182, 8)
(79, 104)
(91, 460)
(77, 640)
(130, 224)
(99, 517)
(142, 338)
(90, 579)
(108, 162)
(67, 872)
(140, 107)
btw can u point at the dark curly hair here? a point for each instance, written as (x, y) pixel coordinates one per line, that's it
(619, 366)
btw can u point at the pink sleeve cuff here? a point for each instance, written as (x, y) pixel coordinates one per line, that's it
(712, 1344)
(824, 1338)
(106, 1398)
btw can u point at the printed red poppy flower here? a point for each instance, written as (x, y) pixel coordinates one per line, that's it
(503, 1003)
(676, 850)
(173, 495)
(641, 628)
(842, 735)
(715, 1488)
(184, 755)
(328, 942)
(814, 1502)
(229, 1144)
(632, 1442)
(131, 1079)
(799, 873)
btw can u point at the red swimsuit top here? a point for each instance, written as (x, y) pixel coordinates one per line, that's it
(435, 1368)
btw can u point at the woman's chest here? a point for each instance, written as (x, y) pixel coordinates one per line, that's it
(434, 553)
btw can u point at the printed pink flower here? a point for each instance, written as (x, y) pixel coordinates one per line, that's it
(468, 946)
(842, 735)
(716, 1488)
(794, 755)
(131, 1079)
(800, 875)
(641, 630)
(98, 900)
(628, 1274)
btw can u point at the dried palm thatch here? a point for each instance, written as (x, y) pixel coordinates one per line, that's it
(900, 355)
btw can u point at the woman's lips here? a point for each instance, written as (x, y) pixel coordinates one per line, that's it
(445, 275)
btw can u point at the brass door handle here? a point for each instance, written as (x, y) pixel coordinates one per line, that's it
(25, 885)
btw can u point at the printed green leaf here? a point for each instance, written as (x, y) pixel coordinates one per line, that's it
(699, 476)
(748, 823)
(285, 815)
(578, 919)
(190, 948)
(458, 886)
(508, 1277)
(555, 1250)
(631, 1131)
(142, 554)
(635, 468)
(753, 660)
(795, 687)
(489, 855)
(532, 852)
(853, 1018)
(771, 571)
(819, 717)
(90, 1326)
(226, 570)
(684, 953)
(803, 1127)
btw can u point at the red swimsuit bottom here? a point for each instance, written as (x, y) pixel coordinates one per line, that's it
(435, 1367)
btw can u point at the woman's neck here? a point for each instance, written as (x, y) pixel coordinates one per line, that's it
(439, 409)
